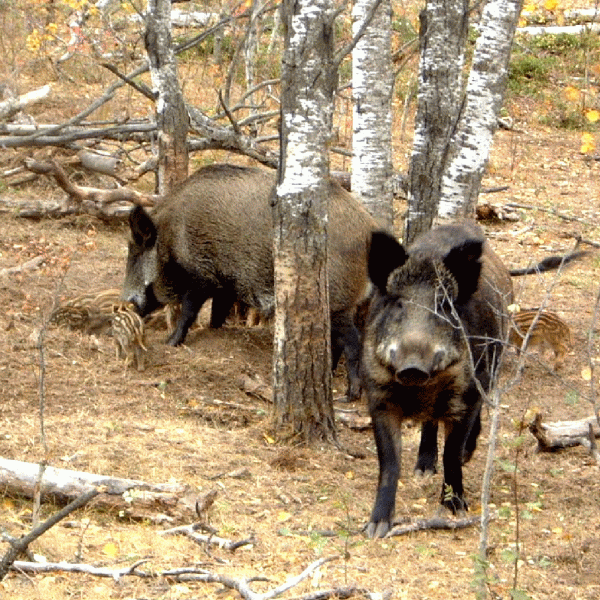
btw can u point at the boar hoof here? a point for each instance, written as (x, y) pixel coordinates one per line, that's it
(174, 340)
(455, 504)
(377, 529)
(422, 472)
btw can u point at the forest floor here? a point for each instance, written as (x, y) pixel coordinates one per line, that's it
(186, 418)
(162, 424)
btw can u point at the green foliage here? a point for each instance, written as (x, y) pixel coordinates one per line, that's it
(404, 28)
(571, 398)
(529, 75)
(563, 42)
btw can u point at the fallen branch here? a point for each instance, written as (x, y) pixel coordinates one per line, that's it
(21, 545)
(550, 211)
(13, 105)
(191, 531)
(136, 499)
(186, 574)
(29, 265)
(434, 523)
(566, 434)
(99, 197)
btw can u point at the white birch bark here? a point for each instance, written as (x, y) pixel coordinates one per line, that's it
(171, 113)
(302, 356)
(442, 42)
(372, 85)
(486, 85)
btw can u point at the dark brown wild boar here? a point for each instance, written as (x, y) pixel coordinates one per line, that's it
(447, 288)
(211, 237)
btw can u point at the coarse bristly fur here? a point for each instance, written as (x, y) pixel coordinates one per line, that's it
(211, 237)
(437, 320)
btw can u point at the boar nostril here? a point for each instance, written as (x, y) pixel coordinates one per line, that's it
(412, 375)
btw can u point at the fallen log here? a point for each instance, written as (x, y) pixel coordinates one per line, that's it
(566, 434)
(13, 105)
(165, 502)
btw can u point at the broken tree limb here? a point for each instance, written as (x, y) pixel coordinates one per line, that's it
(565, 434)
(188, 574)
(130, 497)
(13, 105)
(433, 523)
(20, 545)
(100, 197)
(191, 531)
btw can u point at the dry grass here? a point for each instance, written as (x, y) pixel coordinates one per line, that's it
(160, 425)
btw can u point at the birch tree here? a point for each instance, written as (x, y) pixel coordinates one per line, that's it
(171, 113)
(442, 39)
(470, 149)
(454, 128)
(302, 353)
(372, 85)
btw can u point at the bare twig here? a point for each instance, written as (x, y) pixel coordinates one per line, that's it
(433, 523)
(21, 544)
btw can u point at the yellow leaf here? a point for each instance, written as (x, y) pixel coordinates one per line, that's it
(586, 374)
(550, 4)
(592, 115)
(283, 516)
(530, 7)
(588, 143)
(513, 308)
(572, 93)
(268, 439)
(110, 549)
(349, 474)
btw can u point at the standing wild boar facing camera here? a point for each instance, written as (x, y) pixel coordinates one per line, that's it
(436, 322)
(211, 237)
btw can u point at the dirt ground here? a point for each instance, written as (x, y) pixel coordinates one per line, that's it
(300, 504)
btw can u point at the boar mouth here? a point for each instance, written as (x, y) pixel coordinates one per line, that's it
(412, 376)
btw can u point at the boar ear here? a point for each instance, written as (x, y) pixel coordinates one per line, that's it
(385, 255)
(142, 227)
(464, 262)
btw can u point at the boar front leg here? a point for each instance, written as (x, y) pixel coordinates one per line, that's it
(428, 449)
(191, 303)
(452, 487)
(388, 439)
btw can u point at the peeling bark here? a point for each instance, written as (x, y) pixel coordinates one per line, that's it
(470, 149)
(302, 354)
(372, 86)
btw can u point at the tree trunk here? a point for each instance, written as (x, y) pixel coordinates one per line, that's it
(443, 36)
(372, 86)
(303, 404)
(470, 148)
(171, 114)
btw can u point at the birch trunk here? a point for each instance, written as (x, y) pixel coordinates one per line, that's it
(171, 113)
(470, 149)
(372, 85)
(303, 404)
(443, 37)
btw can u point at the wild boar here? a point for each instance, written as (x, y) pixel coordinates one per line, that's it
(211, 237)
(436, 323)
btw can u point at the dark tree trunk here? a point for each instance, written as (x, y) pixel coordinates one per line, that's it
(171, 113)
(302, 356)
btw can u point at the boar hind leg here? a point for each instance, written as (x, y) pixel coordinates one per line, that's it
(345, 338)
(191, 303)
(387, 430)
(222, 303)
(428, 449)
